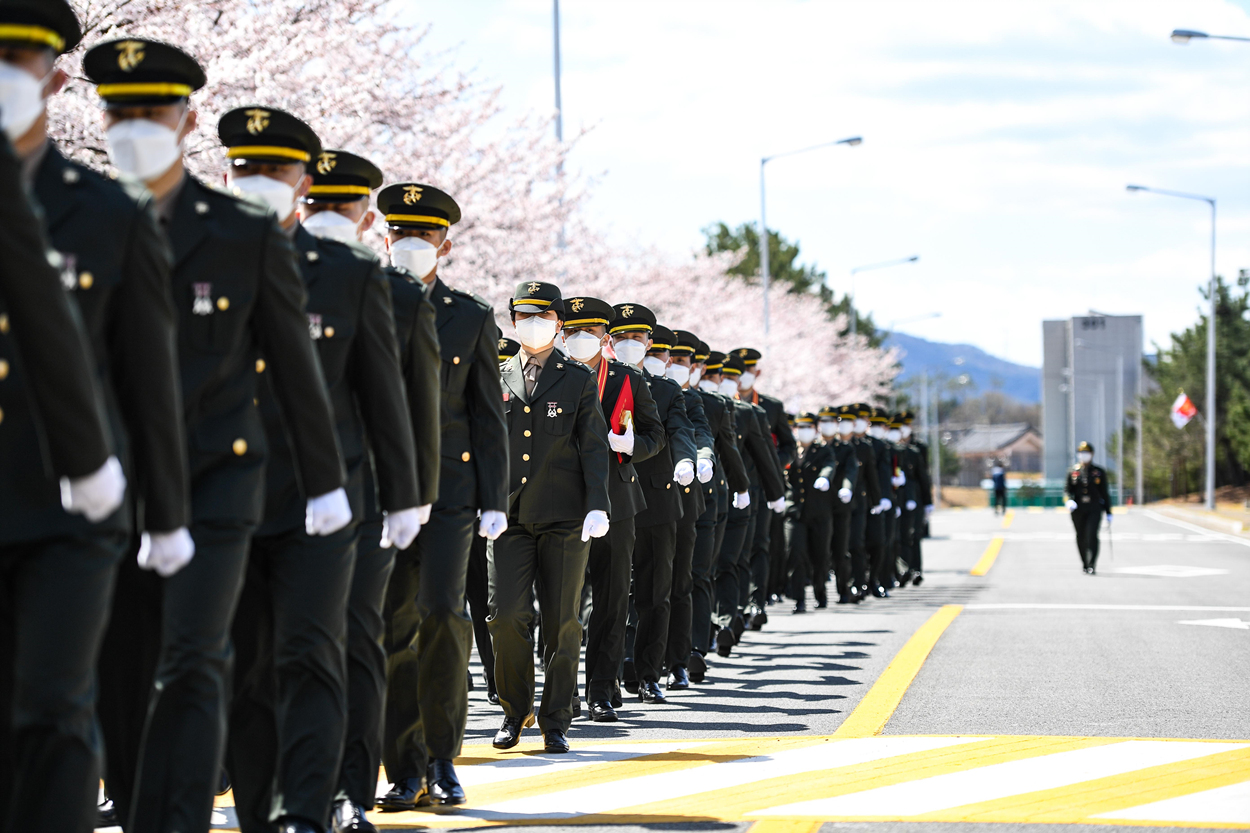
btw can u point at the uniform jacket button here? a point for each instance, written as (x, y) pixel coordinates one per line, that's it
(523, 479)
(4, 323)
(260, 365)
(4, 369)
(527, 409)
(86, 279)
(465, 456)
(223, 303)
(328, 332)
(239, 446)
(525, 457)
(455, 360)
(527, 432)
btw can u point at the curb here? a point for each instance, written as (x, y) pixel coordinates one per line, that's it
(1201, 518)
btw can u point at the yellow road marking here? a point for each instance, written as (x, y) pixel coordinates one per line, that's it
(1036, 510)
(988, 557)
(1008, 517)
(785, 826)
(874, 711)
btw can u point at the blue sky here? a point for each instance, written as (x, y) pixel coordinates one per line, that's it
(998, 138)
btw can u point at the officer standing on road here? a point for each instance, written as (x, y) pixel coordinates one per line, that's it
(636, 434)
(1087, 499)
(428, 632)
(240, 299)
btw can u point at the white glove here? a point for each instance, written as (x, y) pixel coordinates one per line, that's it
(822, 484)
(1071, 505)
(328, 513)
(844, 495)
(742, 500)
(622, 443)
(897, 512)
(683, 473)
(705, 470)
(595, 525)
(778, 505)
(899, 480)
(493, 524)
(96, 495)
(166, 552)
(423, 513)
(876, 510)
(911, 505)
(928, 510)
(885, 504)
(399, 529)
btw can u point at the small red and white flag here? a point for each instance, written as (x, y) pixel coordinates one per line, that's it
(1183, 410)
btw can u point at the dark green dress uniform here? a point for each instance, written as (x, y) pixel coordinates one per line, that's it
(558, 469)
(695, 499)
(655, 546)
(611, 557)
(864, 504)
(290, 631)
(429, 634)
(880, 533)
(923, 498)
(907, 463)
(1086, 485)
(55, 582)
(846, 475)
(239, 296)
(754, 562)
(809, 516)
(729, 478)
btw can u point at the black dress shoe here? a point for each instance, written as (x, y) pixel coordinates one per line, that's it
(492, 697)
(577, 705)
(601, 711)
(442, 784)
(678, 680)
(510, 732)
(405, 794)
(800, 607)
(554, 741)
(906, 578)
(725, 641)
(880, 592)
(918, 579)
(650, 693)
(107, 814)
(697, 666)
(615, 700)
(470, 680)
(759, 620)
(347, 817)
(738, 627)
(845, 599)
(290, 825)
(628, 675)
(821, 604)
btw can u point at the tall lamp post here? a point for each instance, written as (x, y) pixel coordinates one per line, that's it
(1186, 35)
(764, 273)
(883, 264)
(1210, 415)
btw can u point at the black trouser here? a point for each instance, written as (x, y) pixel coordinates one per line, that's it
(289, 715)
(728, 576)
(1000, 499)
(553, 556)
(880, 546)
(127, 665)
(845, 574)
(1087, 519)
(428, 636)
(861, 566)
(54, 602)
(184, 738)
(702, 565)
(655, 549)
(609, 566)
(905, 528)
(808, 543)
(477, 594)
(777, 556)
(760, 557)
(917, 535)
(366, 667)
(681, 597)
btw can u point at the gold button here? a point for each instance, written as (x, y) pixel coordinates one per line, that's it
(687, 490)
(1, 414)
(525, 457)
(632, 478)
(329, 332)
(527, 409)
(527, 432)
(239, 446)
(559, 410)
(668, 485)
(465, 456)
(223, 303)
(4, 369)
(4, 323)
(86, 279)
(260, 365)
(455, 360)
(523, 479)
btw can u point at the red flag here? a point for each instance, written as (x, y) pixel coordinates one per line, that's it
(1183, 410)
(622, 412)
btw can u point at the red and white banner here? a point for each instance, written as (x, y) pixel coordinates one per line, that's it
(1183, 410)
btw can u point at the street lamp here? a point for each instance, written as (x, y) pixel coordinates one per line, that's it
(869, 267)
(1210, 421)
(764, 274)
(1186, 35)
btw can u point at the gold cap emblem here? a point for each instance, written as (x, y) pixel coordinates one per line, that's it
(533, 287)
(742, 354)
(412, 194)
(130, 55)
(503, 342)
(257, 120)
(577, 304)
(627, 310)
(326, 162)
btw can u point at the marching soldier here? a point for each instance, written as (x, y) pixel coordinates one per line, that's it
(867, 499)
(428, 631)
(558, 501)
(695, 498)
(638, 340)
(809, 512)
(924, 495)
(636, 434)
(239, 298)
(846, 476)
(880, 533)
(906, 505)
(1087, 498)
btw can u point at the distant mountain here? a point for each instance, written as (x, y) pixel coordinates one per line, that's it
(953, 360)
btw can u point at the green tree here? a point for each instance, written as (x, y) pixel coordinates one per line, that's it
(783, 268)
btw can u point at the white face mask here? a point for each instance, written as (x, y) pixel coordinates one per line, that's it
(21, 100)
(729, 387)
(332, 225)
(679, 373)
(535, 333)
(893, 435)
(416, 255)
(277, 195)
(861, 425)
(806, 434)
(1084, 456)
(146, 149)
(827, 428)
(630, 352)
(876, 431)
(708, 386)
(746, 381)
(906, 429)
(695, 374)
(846, 428)
(654, 366)
(996, 470)
(582, 345)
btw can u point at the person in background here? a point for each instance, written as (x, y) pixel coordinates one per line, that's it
(998, 476)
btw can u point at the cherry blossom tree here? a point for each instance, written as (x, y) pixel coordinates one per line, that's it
(367, 83)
